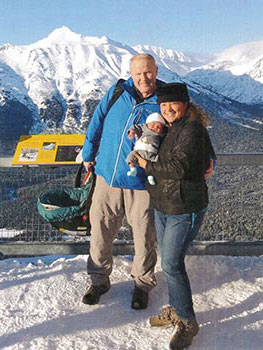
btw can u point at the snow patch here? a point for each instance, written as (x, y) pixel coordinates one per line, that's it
(40, 305)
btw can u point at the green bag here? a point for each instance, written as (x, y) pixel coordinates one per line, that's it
(67, 209)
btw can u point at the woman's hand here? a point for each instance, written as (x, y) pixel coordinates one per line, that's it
(142, 162)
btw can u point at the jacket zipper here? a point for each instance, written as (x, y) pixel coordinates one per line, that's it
(123, 135)
(120, 145)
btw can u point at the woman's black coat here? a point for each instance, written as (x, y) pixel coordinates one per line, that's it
(184, 157)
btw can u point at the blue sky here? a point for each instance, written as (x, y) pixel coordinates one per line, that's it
(198, 26)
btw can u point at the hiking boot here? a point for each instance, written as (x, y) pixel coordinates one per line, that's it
(139, 299)
(93, 293)
(166, 319)
(183, 334)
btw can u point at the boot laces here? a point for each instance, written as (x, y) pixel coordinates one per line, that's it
(167, 314)
(179, 326)
(95, 290)
(91, 290)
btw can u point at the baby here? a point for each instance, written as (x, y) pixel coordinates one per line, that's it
(148, 138)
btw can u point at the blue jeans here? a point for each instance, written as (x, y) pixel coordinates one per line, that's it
(174, 234)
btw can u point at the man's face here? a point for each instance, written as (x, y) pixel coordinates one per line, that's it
(156, 127)
(144, 73)
(172, 111)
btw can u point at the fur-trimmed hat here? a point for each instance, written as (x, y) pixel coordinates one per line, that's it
(155, 117)
(172, 92)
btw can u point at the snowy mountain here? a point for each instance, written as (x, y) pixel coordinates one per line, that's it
(241, 59)
(57, 81)
(236, 72)
(176, 61)
(53, 85)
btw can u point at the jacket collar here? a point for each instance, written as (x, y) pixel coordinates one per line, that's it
(181, 121)
(129, 87)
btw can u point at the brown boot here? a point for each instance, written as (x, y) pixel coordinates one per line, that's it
(183, 334)
(165, 319)
(93, 293)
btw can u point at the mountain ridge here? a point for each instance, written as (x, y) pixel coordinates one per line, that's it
(58, 80)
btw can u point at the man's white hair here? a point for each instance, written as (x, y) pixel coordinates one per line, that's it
(143, 56)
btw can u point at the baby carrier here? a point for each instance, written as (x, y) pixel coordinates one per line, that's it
(67, 209)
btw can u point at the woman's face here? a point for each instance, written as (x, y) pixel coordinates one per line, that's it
(172, 111)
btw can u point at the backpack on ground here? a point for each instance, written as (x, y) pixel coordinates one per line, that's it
(67, 209)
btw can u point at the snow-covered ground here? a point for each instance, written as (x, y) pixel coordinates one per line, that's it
(41, 309)
(9, 233)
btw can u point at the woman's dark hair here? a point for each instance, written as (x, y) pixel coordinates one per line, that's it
(195, 112)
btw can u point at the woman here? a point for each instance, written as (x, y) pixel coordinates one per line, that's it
(180, 199)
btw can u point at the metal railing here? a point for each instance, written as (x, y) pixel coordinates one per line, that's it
(233, 224)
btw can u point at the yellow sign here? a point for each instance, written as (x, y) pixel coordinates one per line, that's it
(49, 149)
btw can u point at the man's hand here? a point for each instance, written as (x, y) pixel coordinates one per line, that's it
(209, 171)
(89, 165)
(142, 162)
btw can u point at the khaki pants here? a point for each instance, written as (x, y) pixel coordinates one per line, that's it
(106, 213)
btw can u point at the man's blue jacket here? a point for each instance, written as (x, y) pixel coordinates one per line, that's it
(106, 139)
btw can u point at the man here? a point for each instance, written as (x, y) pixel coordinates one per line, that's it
(106, 147)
